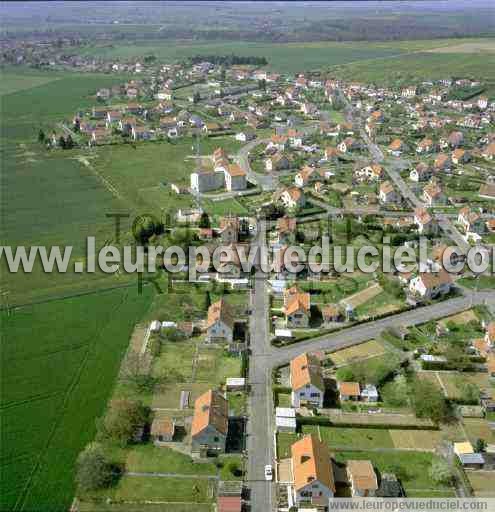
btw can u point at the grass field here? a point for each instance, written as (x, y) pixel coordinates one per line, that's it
(57, 372)
(20, 79)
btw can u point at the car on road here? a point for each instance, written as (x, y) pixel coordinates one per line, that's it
(268, 473)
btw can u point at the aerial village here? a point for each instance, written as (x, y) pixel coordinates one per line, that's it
(319, 385)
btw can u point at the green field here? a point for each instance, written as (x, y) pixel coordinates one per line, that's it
(286, 58)
(417, 67)
(58, 368)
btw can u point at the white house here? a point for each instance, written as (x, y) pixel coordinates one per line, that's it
(429, 285)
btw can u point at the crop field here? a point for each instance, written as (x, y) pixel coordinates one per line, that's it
(16, 80)
(416, 67)
(57, 372)
(281, 57)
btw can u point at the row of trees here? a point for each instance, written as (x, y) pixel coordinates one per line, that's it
(230, 60)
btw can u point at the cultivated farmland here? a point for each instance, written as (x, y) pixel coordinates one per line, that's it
(59, 365)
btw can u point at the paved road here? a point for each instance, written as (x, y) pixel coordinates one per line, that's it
(264, 357)
(393, 169)
(259, 427)
(265, 181)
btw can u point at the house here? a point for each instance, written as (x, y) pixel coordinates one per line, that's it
(331, 313)
(306, 176)
(235, 178)
(373, 172)
(229, 504)
(387, 193)
(162, 430)
(369, 393)
(297, 309)
(348, 144)
(424, 221)
(455, 139)
(470, 221)
(279, 142)
(482, 102)
(140, 133)
(204, 180)
(277, 162)
(422, 172)
(349, 391)
(286, 229)
(467, 456)
(331, 153)
(433, 194)
(212, 128)
(245, 136)
(210, 423)
(460, 156)
(487, 191)
(442, 162)
(220, 322)
(425, 146)
(429, 285)
(229, 229)
(396, 147)
(312, 470)
(306, 381)
(362, 478)
(291, 197)
(488, 153)
(409, 92)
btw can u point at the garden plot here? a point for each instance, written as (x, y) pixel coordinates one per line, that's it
(462, 318)
(422, 440)
(349, 355)
(364, 296)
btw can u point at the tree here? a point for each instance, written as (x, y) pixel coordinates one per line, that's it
(93, 470)
(345, 374)
(440, 472)
(77, 125)
(196, 97)
(69, 143)
(123, 419)
(428, 401)
(204, 221)
(61, 142)
(262, 84)
(480, 445)
(41, 136)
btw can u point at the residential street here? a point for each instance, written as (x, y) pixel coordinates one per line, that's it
(265, 357)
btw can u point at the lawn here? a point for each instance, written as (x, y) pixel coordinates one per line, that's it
(88, 506)
(150, 458)
(355, 438)
(410, 467)
(57, 372)
(215, 365)
(158, 489)
(284, 442)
